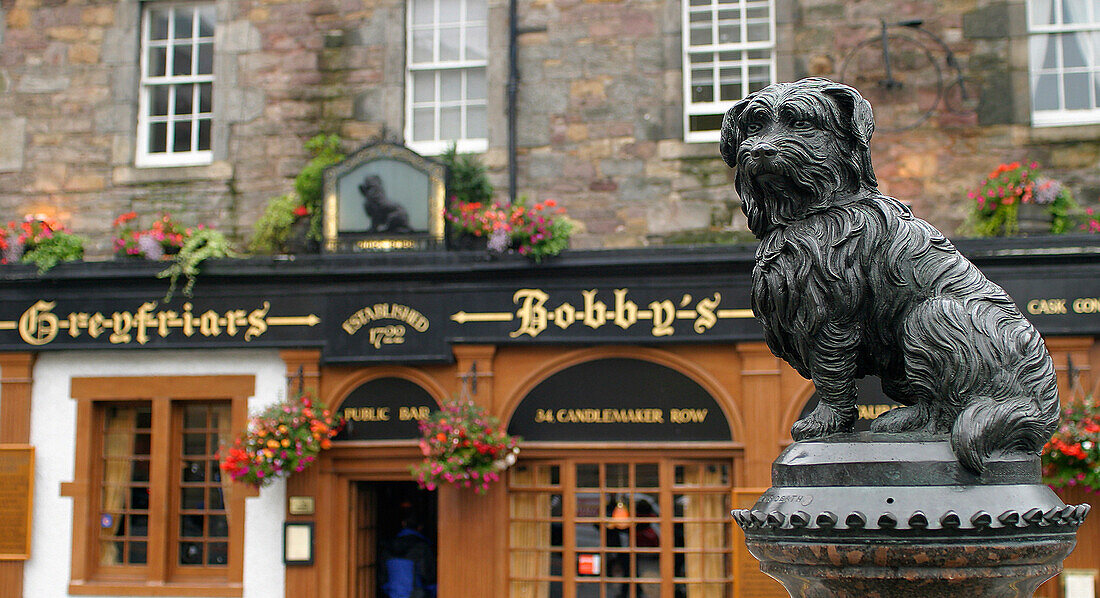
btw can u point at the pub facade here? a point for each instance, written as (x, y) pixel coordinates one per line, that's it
(647, 404)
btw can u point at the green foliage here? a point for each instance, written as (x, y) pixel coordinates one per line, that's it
(467, 180)
(203, 244)
(309, 184)
(274, 227)
(51, 251)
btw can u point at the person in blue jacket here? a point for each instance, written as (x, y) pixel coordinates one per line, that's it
(408, 563)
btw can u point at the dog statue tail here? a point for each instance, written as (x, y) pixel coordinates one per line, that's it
(1013, 420)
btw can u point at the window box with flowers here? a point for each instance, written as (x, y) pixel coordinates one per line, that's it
(285, 438)
(1017, 198)
(537, 231)
(463, 446)
(1072, 457)
(163, 238)
(41, 241)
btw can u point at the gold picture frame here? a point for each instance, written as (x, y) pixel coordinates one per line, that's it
(405, 189)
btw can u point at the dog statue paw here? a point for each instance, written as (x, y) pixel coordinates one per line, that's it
(822, 421)
(848, 282)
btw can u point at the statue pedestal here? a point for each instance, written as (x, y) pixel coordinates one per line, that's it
(886, 515)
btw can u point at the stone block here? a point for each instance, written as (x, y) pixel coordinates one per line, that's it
(360, 131)
(42, 83)
(114, 118)
(124, 83)
(544, 165)
(66, 33)
(988, 22)
(18, 18)
(85, 183)
(122, 149)
(119, 48)
(615, 167)
(98, 15)
(238, 37)
(244, 105)
(48, 178)
(586, 93)
(83, 53)
(996, 104)
(12, 142)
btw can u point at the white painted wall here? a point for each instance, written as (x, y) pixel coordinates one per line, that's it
(53, 433)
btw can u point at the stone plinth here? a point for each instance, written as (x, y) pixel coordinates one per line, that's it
(899, 517)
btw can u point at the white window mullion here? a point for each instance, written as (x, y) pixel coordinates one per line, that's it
(461, 64)
(188, 152)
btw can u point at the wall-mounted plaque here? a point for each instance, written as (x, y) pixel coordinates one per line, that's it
(16, 496)
(384, 197)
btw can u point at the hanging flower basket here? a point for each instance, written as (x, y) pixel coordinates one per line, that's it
(1072, 457)
(286, 437)
(463, 446)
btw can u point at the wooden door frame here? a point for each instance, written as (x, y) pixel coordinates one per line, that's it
(344, 466)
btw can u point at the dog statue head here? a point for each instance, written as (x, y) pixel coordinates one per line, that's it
(372, 189)
(798, 148)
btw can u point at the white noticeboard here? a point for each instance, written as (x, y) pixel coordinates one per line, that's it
(1079, 583)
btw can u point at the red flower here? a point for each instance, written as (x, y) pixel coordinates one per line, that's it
(301, 211)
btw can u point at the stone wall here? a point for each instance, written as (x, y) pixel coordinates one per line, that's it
(600, 109)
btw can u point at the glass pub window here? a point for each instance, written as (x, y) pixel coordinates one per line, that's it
(598, 530)
(195, 492)
(1064, 61)
(203, 530)
(125, 466)
(446, 90)
(729, 52)
(177, 80)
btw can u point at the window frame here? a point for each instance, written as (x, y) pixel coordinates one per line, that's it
(161, 575)
(667, 552)
(143, 158)
(438, 146)
(1063, 116)
(718, 106)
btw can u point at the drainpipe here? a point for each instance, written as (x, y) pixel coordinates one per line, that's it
(513, 89)
(514, 32)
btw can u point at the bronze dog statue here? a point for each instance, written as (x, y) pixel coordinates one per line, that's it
(849, 283)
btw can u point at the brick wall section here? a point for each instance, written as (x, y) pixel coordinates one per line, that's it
(600, 113)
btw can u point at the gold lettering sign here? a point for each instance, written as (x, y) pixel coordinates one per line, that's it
(873, 411)
(386, 244)
(620, 416)
(385, 414)
(1086, 305)
(39, 325)
(16, 496)
(1046, 306)
(1059, 306)
(387, 334)
(534, 313)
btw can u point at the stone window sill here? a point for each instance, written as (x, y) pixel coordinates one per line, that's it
(216, 171)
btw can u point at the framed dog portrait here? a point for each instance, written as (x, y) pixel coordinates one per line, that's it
(384, 197)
